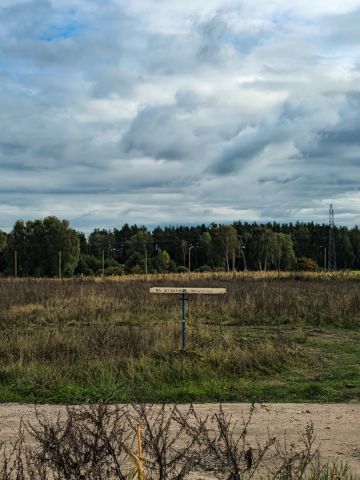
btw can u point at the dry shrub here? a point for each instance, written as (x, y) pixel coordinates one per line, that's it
(94, 442)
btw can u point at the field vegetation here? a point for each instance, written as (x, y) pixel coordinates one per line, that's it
(270, 338)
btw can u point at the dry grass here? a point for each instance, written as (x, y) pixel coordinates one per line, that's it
(252, 298)
(75, 339)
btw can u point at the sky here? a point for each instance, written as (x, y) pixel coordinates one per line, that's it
(160, 112)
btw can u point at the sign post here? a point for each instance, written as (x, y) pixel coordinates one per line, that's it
(183, 321)
(183, 291)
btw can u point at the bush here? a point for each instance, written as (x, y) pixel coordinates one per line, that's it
(304, 264)
(99, 442)
(137, 269)
(115, 270)
(182, 269)
(204, 268)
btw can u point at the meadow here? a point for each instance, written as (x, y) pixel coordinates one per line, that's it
(288, 337)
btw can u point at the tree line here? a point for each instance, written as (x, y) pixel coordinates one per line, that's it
(50, 247)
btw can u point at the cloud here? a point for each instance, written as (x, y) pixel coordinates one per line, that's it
(157, 111)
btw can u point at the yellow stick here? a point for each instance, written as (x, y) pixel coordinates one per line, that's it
(138, 432)
(137, 459)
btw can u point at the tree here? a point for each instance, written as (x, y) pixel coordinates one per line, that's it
(88, 265)
(227, 244)
(301, 237)
(101, 241)
(161, 261)
(3, 241)
(38, 244)
(82, 242)
(121, 236)
(354, 235)
(285, 252)
(264, 248)
(345, 255)
(19, 241)
(205, 244)
(139, 244)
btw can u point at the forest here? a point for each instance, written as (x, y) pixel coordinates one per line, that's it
(50, 248)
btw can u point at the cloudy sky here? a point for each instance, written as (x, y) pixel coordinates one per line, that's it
(162, 111)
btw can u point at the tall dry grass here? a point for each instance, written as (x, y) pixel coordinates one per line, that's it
(69, 339)
(251, 299)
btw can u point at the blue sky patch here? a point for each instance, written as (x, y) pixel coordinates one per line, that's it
(59, 32)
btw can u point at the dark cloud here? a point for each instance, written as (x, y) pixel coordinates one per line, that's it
(250, 142)
(11, 149)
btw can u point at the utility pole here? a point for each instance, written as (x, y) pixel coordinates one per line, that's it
(146, 261)
(184, 245)
(15, 264)
(190, 248)
(332, 249)
(59, 263)
(103, 264)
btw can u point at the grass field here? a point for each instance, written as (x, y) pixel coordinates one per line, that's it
(270, 338)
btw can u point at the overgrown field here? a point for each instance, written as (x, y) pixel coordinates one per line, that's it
(270, 338)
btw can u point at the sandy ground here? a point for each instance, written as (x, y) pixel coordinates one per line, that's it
(337, 426)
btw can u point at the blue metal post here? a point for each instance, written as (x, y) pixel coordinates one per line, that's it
(183, 325)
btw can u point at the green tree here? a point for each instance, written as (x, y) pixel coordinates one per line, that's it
(138, 247)
(19, 241)
(61, 239)
(83, 243)
(161, 261)
(205, 244)
(88, 265)
(100, 241)
(135, 263)
(3, 243)
(354, 235)
(121, 236)
(344, 249)
(284, 253)
(226, 244)
(3, 240)
(264, 248)
(301, 237)
(40, 244)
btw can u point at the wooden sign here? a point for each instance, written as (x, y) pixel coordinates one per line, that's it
(206, 291)
(183, 291)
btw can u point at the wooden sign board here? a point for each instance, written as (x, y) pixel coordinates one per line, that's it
(206, 291)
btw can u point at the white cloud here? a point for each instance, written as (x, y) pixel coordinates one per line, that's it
(155, 111)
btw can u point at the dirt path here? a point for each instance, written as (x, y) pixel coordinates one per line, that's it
(337, 426)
